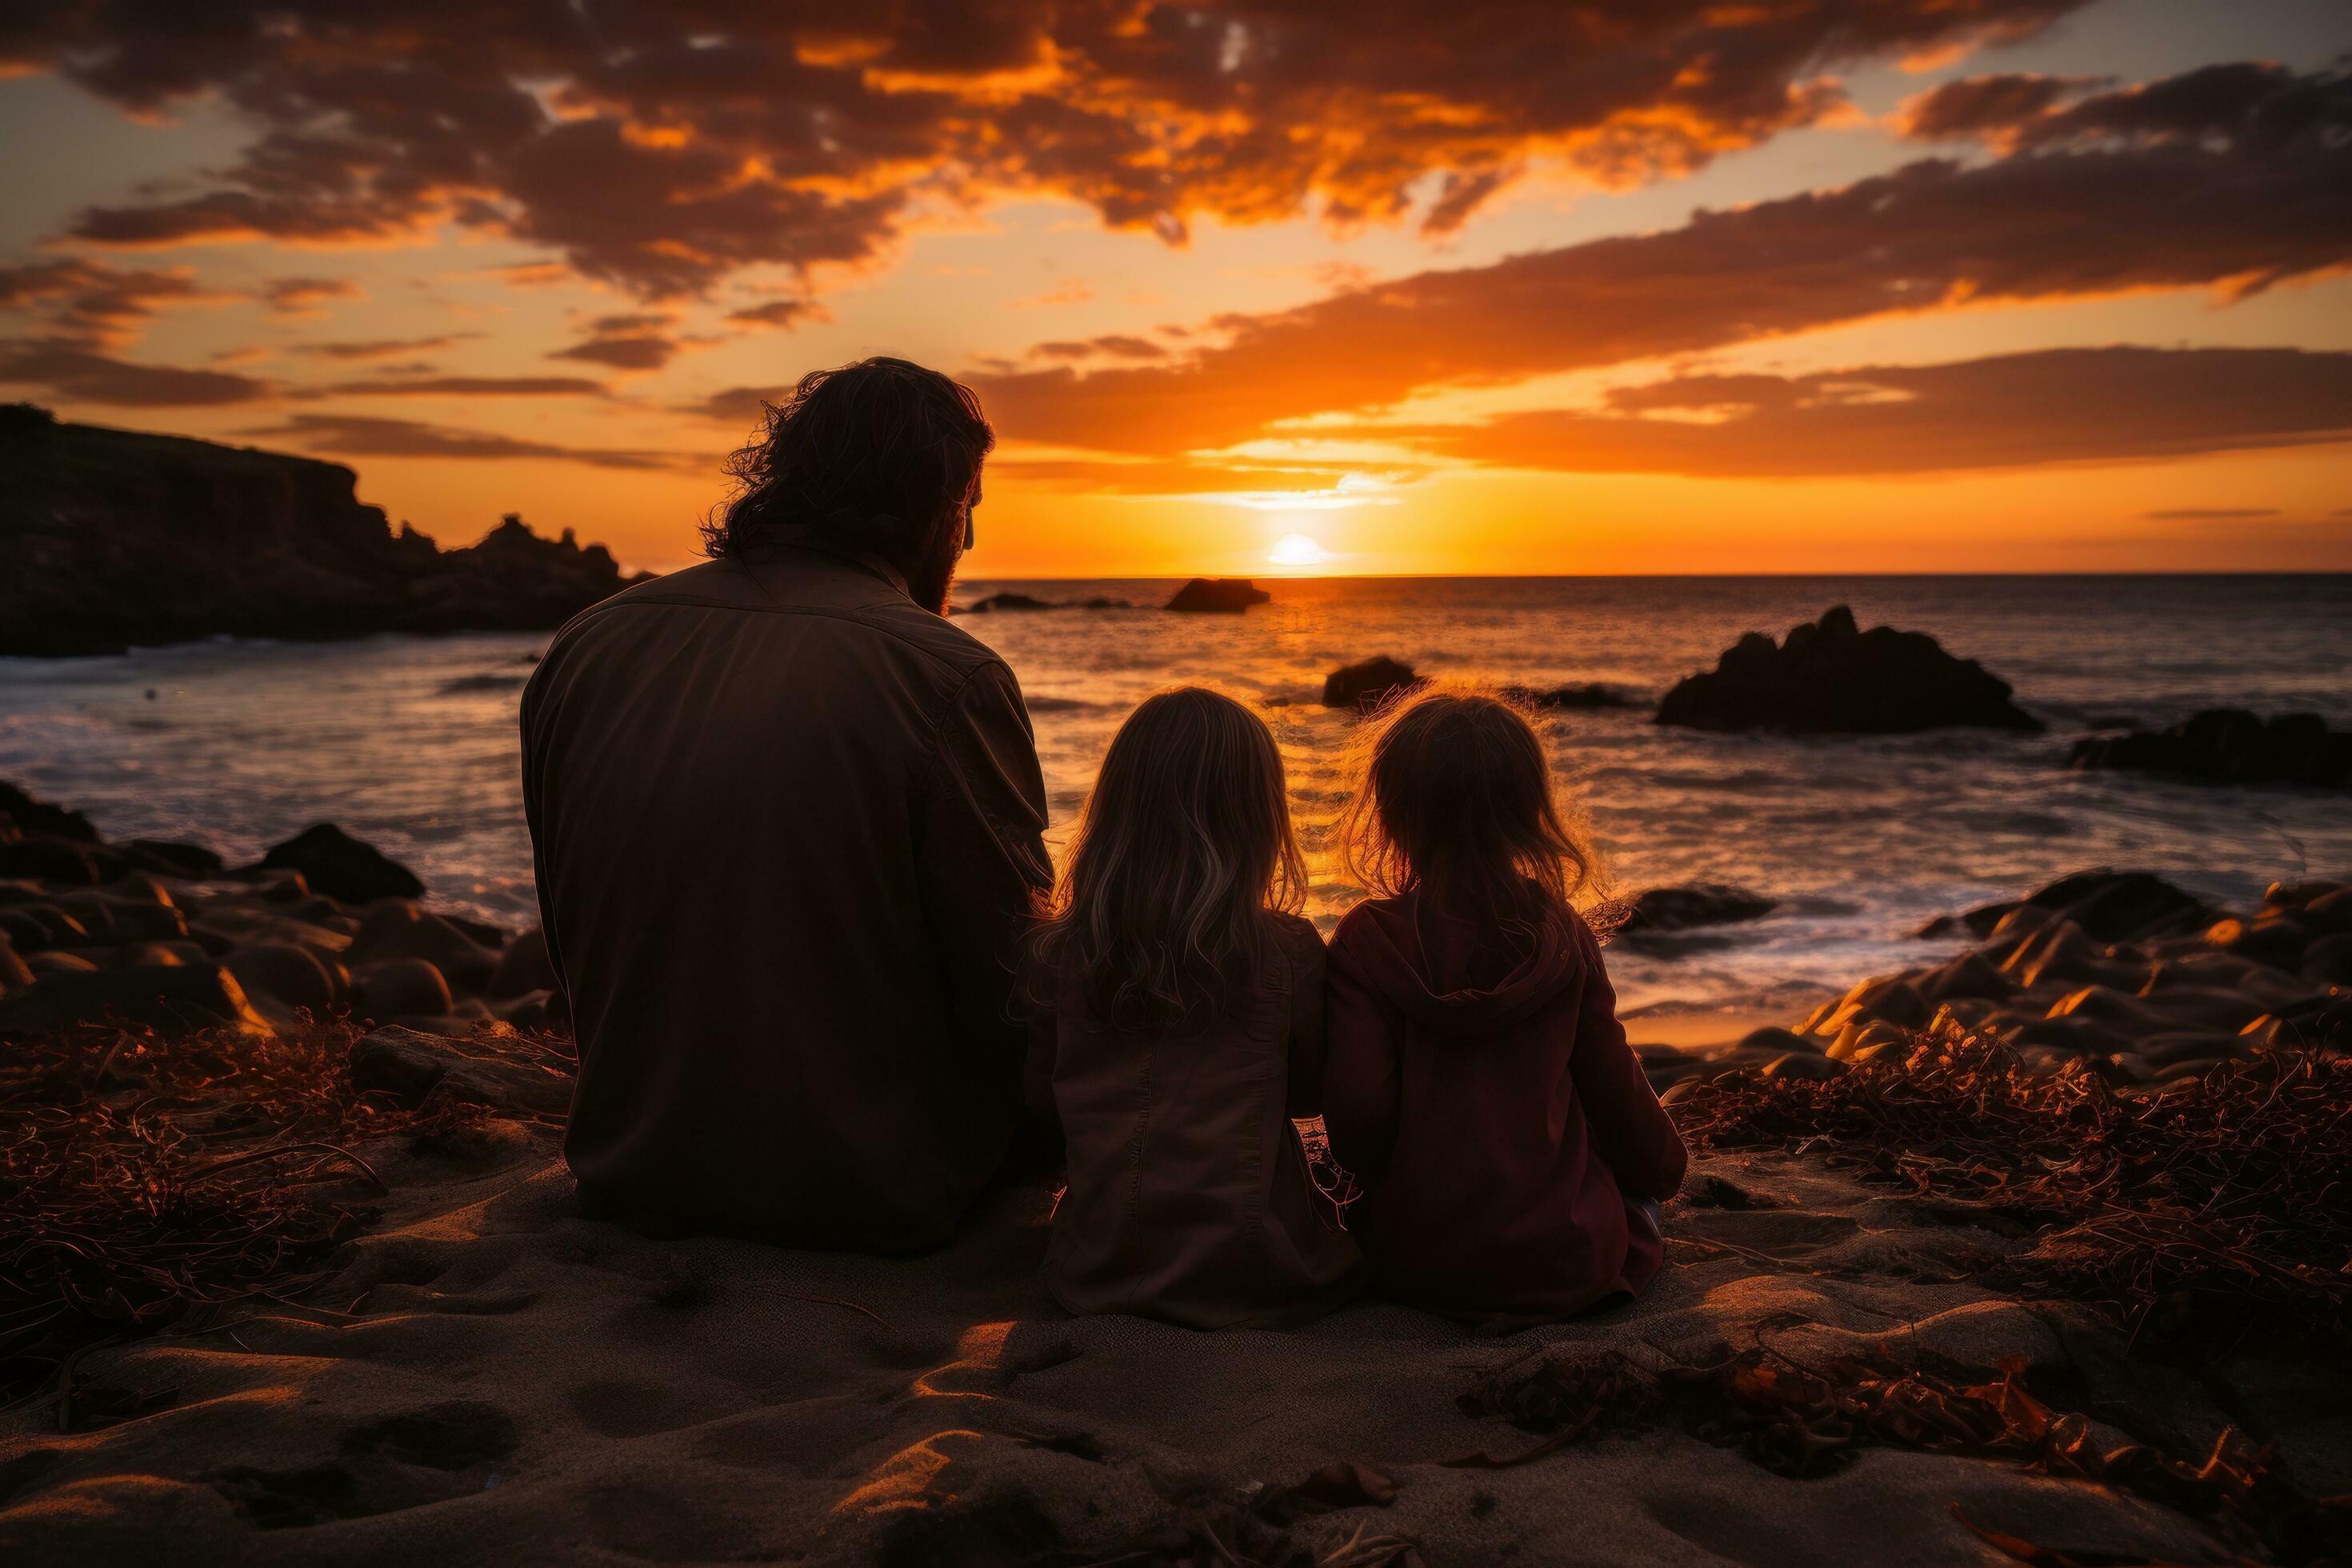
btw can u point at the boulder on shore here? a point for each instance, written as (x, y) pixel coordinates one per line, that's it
(1831, 678)
(1218, 595)
(1366, 686)
(338, 865)
(2230, 745)
(1009, 601)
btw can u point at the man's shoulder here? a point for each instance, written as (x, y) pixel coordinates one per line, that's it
(887, 619)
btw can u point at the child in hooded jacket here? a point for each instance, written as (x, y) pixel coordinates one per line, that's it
(1510, 1151)
(1178, 999)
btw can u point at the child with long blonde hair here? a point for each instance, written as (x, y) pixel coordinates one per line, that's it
(1179, 997)
(1478, 1084)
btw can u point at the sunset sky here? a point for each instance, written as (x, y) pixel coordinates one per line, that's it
(1495, 286)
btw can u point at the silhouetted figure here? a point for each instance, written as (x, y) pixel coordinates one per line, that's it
(787, 821)
(1180, 997)
(1512, 1154)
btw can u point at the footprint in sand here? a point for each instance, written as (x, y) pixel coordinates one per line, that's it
(1776, 1233)
(402, 1461)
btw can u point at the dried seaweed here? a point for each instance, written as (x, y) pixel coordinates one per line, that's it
(1804, 1422)
(143, 1179)
(2223, 1201)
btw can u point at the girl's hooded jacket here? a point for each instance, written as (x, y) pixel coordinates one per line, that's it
(1481, 1090)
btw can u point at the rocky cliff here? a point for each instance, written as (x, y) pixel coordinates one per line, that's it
(113, 538)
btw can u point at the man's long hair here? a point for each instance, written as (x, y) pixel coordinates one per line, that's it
(879, 457)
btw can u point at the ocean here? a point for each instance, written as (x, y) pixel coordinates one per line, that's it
(410, 742)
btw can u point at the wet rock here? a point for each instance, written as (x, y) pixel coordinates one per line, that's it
(39, 819)
(1366, 686)
(1218, 595)
(412, 1066)
(1828, 677)
(333, 862)
(293, 976)
(398, 929)
(2272, 939)
(164, 996)
(1970, 975)
(399, 988)
(1778, 1041)
(1587, 697)
(56, 859)
(31, 928)
(1655, 910)
(169, 858)
(1978, 922)
(14, 975)
(2230, 745)
(2123, 906)
(114, 920)
(2328, 960)
(1804, 1064)
(524, 967)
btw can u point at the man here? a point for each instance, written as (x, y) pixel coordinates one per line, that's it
(786, 822)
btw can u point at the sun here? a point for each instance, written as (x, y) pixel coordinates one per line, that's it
(1298, 549)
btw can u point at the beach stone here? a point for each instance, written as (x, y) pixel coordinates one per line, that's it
(532, 1010)
(1978, 922)
(2230, 745)
(29, 928)
(524, 967)
(1218, 595)
(2328, 960)
(15, 974)
(2064, 954)
(411, 1065)
(2330, 911)
(398, 929)
(2170, 1051)
(1807, 1064)
(1968, 976)
(2208, 1006)
(2113, 1010)
(2275, 940)
(58, 960)
(1830, 677)
(1367, 685)
(2123, 906)
(1775, 1040)
(170, 857)
(110, 919)
(1698, 904)
(153, 953)
(140, 888)
(293, 976)
(54, 860)
(165, 996)
(399, 988)
(32, 817)
(342, 867)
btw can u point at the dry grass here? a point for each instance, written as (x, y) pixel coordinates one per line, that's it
(2222, 1203)
(146, 1183)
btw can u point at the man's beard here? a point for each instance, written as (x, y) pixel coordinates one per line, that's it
(931, 577)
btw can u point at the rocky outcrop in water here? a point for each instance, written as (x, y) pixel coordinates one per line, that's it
(995, 603)
(2231, 746)
(1830, 677)
(1366, 686)
(1218, 595)
(1585, 696)
(1655, 911)
(111, 539)
(160, 936)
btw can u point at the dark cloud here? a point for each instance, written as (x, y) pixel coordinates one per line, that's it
(2212, 513)
(298, 296)
(2200, 208)
(1113, 345)
(468, 386)
(353, 436)
(94, 302)
(2249, 104)
(70, 369)
(1983, 107)
(2058, 405)
(739, 405)
(789, 312)
(638, 342)
(661, 148)
(384, 348)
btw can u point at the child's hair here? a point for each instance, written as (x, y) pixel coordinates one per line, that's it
(1157, 916)
(1453, 798)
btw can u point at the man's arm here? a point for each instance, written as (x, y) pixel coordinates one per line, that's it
(983, 861)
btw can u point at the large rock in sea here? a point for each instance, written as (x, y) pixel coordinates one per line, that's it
(113, 538)
(2230, 745)
(338, 865)
(1656, 909)
(1366, 686)
(1218, 595)
(1831, 678)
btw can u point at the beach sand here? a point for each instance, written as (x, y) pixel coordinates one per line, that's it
(495, 1380)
